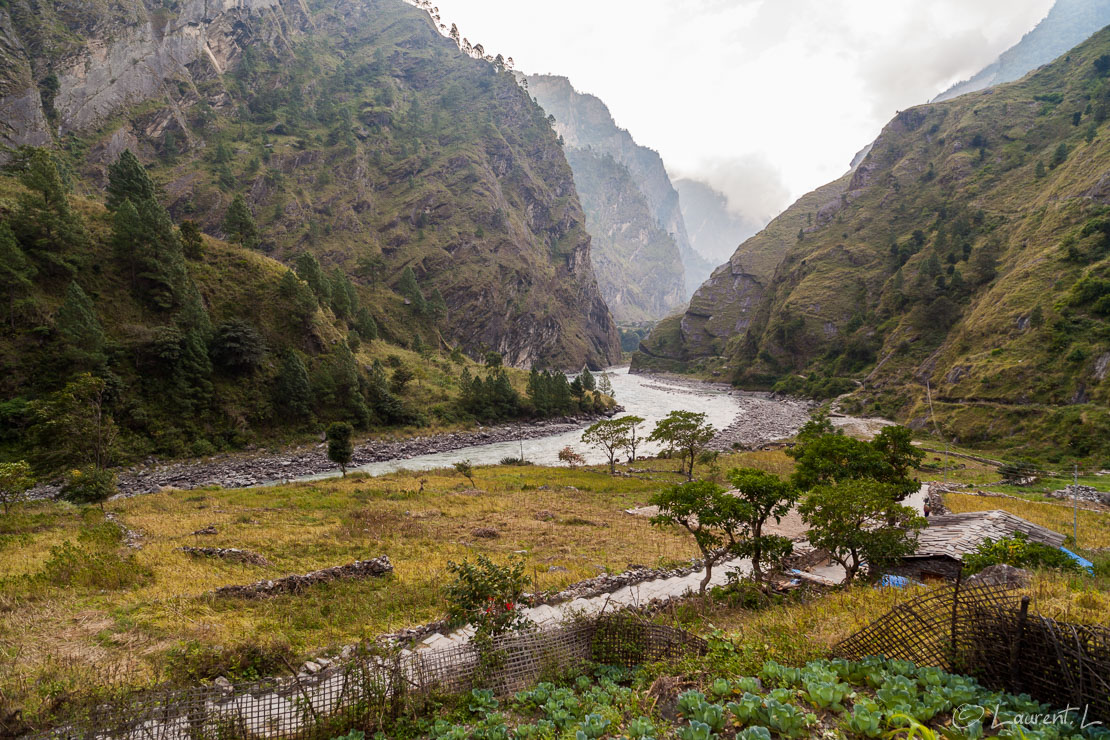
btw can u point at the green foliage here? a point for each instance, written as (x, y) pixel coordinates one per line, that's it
(45, 224)
(239, 223)
(488, 596)
(80, 330)
(308, 269)
(292, 390)
(128, 180)
(1019, 552)
(365, 325)
(192, 241)
(706, 511)
(88, 485)
(16, 271)
(237, 347)
(685, 432)
(72, 427)
(825, 458)
(340, 448)
(550, 394)
(612, 436)
(489, 398)
(761, 496)
(464, 468)
(860, 521)
(15, 480)
(410, 289)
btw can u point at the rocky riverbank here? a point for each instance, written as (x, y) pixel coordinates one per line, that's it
(240, 470)
(763, 419)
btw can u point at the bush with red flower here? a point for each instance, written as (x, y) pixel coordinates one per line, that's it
(488, 596)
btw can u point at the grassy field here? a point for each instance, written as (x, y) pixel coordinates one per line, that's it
(79, 610)
(73, 610)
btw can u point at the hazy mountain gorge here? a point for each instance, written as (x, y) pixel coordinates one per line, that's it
(585, 123)
(353, 131)
(1068, 23)
(714, 230)
(967, 255)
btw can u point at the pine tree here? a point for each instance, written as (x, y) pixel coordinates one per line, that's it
(410, 289)
(128, 180)
(387, 407)
(308, 269)
(292, 391)
(302, 301)
(43, 221)
(340, 294)
(239, 223)
(588, 381)
(192, 242)
(340, 449)
(437, 305)
(80, 329)
(15, 270)
(365, 325)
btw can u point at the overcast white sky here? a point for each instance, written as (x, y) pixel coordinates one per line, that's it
(766, 99)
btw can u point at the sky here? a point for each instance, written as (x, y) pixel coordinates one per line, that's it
(763, 99)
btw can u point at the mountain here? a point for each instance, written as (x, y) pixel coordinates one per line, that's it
(585, 123)
(713, 228)
(963, 268)
(354, 131)
(1068, 23)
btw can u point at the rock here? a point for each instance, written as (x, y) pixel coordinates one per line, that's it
(232, 554)
(209, 530)
(1001, 574)
(557, 569)
(293, 584)
(664, 691)
(545, 516)
(485, 533)
(223, 685)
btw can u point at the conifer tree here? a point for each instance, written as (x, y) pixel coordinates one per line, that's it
(340, 449)
(437, 305)
(128, 180)
(239, 223)
(192, 242)
(308, 269)
(292, 391)
(43, 221)
(80, 329)
(387, 406)
(341, 293)
(365, 325)
(588, 381)
(302, 301)
(16, 271)
(409, 288)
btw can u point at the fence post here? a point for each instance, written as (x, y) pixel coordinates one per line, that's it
(955, 620)
(1015, 649)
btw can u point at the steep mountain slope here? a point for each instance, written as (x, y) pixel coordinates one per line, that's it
(584, 122)
(966, 258)
(639, 270)
(1068, 23)
(714, 230)
(354, 131)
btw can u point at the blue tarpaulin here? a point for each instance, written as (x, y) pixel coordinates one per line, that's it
(1084, 562)
(891, 581)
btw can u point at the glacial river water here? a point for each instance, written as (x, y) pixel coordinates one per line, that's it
(642, 395)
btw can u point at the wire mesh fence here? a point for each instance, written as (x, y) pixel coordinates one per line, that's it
(987, 631)
(371, 686)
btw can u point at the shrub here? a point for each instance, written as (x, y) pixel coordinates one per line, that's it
(193, 661)
(487, 595)
(88, 485)
(1019, 552)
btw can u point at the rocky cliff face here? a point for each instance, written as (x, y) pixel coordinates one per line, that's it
(967, 254)
(638, 266)
(584, 122)
(1068, 23)
(356, 131)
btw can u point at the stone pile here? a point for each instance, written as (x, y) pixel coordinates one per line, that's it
(761, 421)
(1083, 493)
(231, 554)
(294, 584)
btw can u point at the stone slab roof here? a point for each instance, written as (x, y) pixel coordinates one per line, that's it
(954, 535)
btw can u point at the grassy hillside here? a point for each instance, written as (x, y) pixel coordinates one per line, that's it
(967, 256)
(354, 131)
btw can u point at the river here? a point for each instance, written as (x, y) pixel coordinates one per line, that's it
(648, 396)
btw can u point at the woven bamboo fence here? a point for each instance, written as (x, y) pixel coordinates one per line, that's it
(371, 686)
(987, 631)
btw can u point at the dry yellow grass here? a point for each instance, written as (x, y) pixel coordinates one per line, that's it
(1094, 526)
(68, 636)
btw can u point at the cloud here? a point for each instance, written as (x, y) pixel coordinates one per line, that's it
(755, 188)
